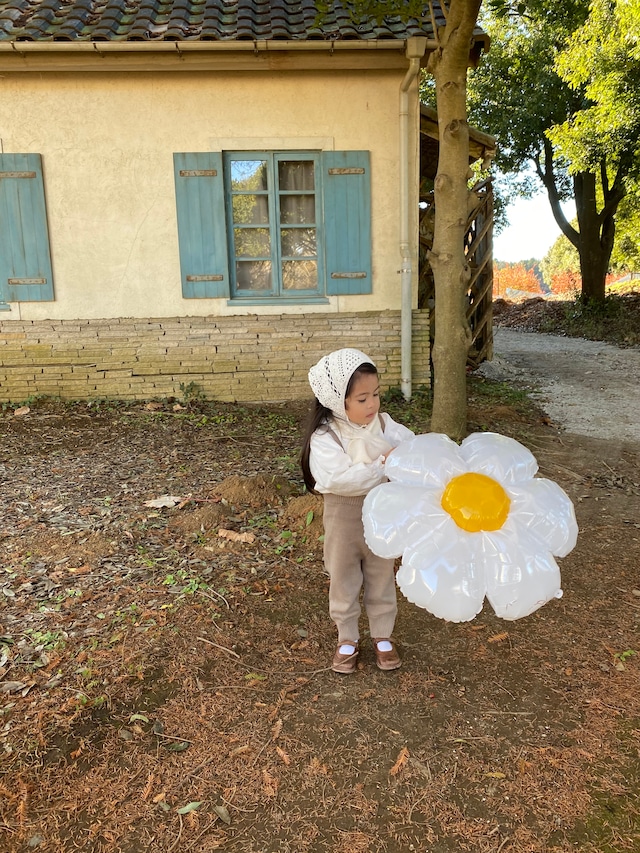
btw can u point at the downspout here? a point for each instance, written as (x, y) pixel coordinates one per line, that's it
(415, 51)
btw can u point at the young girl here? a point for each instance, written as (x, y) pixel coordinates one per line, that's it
(346, 444)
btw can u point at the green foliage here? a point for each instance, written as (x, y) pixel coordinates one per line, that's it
(516, 95)
(602, 60)
(626, 252)
(559, 91)
(191, 393)
(185, 584)
(492, 393)
(47, 640)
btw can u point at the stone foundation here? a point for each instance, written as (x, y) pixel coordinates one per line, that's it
(242, 358)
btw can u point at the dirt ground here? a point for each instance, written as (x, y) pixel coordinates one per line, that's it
(164, 651)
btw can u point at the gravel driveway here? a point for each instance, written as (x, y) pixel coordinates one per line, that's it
(587, 387)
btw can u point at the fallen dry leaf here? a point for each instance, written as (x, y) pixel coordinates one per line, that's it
(236, 537)
(401, 760)
(163, 500)
(149, 786)
(79, 570)
(270, 784)
(498, 638)
(283, 755)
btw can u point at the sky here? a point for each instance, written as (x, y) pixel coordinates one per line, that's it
(531, 232)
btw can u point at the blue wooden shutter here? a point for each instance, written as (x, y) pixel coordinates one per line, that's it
(204, 262)
(347, 221)
(25, 259)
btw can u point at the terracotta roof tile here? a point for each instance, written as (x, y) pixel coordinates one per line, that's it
(213, 20)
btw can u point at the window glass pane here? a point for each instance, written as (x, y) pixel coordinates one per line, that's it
(248, 175)
(297, 209)
(253, 275)
(300, 275)
(298, 241)
(251, 209)
(251, 242)
(296, 175)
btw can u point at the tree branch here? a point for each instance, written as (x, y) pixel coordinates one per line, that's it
(548, 178)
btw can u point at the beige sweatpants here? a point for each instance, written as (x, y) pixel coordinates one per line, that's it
(351, 565)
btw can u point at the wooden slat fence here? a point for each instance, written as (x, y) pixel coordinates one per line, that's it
(478, 246)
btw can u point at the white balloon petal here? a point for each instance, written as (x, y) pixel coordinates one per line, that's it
(443, 579)
(543, 508)
(498, 456)
(426, 460)
(519, 580)
(396, 516)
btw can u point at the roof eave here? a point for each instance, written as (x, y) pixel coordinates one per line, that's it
(268, 45)
(259, 55)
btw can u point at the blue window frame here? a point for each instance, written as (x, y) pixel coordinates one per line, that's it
(274, 224)
(265, 226)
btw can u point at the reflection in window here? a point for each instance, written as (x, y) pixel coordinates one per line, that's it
(299, 241)
(253, 275)
(297, 208)
(296, 175)
(300, 275)
(253, 242)
(250, 209)
(248, 175)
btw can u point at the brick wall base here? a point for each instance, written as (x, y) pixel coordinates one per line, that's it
(242, 358)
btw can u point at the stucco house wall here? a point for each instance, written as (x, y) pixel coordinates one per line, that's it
(107, 142)
(106, 104)
(118, 325)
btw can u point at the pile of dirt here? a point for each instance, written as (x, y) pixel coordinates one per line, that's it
(617, 320)
(257, 491)
(529, 315)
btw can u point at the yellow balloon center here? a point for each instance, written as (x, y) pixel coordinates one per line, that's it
(476, 502)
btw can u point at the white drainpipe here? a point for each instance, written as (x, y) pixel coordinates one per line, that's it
(415, 51)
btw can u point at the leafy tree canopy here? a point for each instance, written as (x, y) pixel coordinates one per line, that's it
(626, 252)
(516, 94)
(602, 59)
(559, 91)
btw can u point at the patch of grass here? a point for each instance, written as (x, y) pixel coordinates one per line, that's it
(492, 393)
(184, 584)
(46, 640)
(414, 413)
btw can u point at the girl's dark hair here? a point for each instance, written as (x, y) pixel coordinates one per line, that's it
(319, 416)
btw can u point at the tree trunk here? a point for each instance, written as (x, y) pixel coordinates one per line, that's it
(449, 64)
(595, 235)
(595, 241)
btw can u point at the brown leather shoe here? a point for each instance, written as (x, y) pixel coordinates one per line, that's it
(386, 660)
(345, 664)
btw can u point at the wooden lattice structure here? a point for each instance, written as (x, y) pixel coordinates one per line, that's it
(478, 238)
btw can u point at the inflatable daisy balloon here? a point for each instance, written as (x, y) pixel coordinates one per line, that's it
(470, 521)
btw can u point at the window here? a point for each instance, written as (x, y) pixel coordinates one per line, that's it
(274, 226)
(25, 260)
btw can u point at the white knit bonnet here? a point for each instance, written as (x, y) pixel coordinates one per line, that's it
(330, 376)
